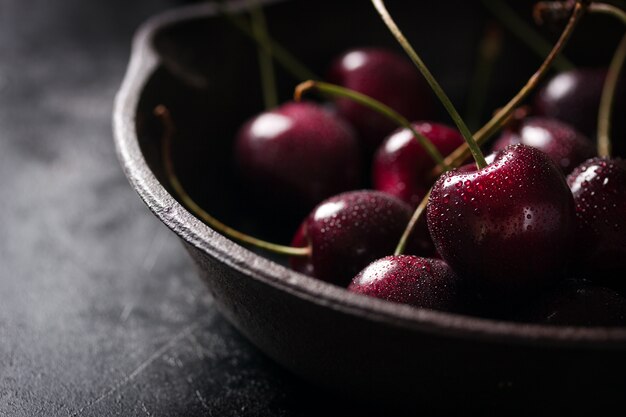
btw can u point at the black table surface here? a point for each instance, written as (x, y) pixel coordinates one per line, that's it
(101, 310)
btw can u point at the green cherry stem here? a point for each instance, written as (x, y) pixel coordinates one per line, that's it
(457, 157)
(334, 90)
(610, 83)
(605, 8)
(495, 123)
(266, 66)
(607, 98)
(524, 32)
(289, 62)
(164, 115)
(417, 214)
(434, 85)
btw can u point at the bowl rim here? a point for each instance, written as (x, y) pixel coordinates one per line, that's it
(144, 61)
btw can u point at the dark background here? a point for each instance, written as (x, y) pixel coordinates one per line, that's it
(101, 312)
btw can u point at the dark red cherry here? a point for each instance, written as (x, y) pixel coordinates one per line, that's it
(348, 231)
(578, 303)
(599, 189)
(387, 77)
(562, 143)
(298, 154)
(574, 97)
(505, 228)
(406, 279)
(401, 165)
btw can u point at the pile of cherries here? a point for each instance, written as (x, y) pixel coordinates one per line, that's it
(538, 235)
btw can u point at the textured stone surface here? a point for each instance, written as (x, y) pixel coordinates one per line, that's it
(101, 311)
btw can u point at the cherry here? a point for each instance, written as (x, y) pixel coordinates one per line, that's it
(574, 97)
(599, 189)
(298, 154)
(504, 228)
(561, 142)
(407, 279)
(348, 231)
(401, 166)
(386, 77)
(578, 303)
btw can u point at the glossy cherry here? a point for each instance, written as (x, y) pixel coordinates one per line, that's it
(387, 77)
(599, 189)
(562, 143)
(505, 228)
(574, 97)
(348, 231)
(401, 166)
(406, 279)
(298, 154)
(578, 303)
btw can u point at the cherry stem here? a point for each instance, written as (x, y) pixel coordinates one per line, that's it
(434, 85)
(605, 8)
(459, 155)
(266, 66)
(494, 124)
(607, 98)
(524, 32)
(164, 115)
(488, 51)
(417, 214)
(334, 90)
(289, 62)
(610, 82)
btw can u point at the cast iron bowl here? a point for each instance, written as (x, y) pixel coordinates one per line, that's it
(205, 71)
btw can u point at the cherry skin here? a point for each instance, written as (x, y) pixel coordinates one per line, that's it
(402, 166)
(574, 97)
(504, 229)
(298, 154)
(387, 77)
(348, 231)
(578, 303)
(561, 142)
(599, 189)
(407, 279)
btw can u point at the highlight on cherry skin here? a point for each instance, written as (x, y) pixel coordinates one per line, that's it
(574, 97)
(298, 154)
(505, 229)
(348, 231)
(562, 143)
(412, 280)
(599, 189)
(401, 167)
(387, 77)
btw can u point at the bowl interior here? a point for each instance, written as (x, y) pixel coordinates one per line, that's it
(210, 81)
(208, 78)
